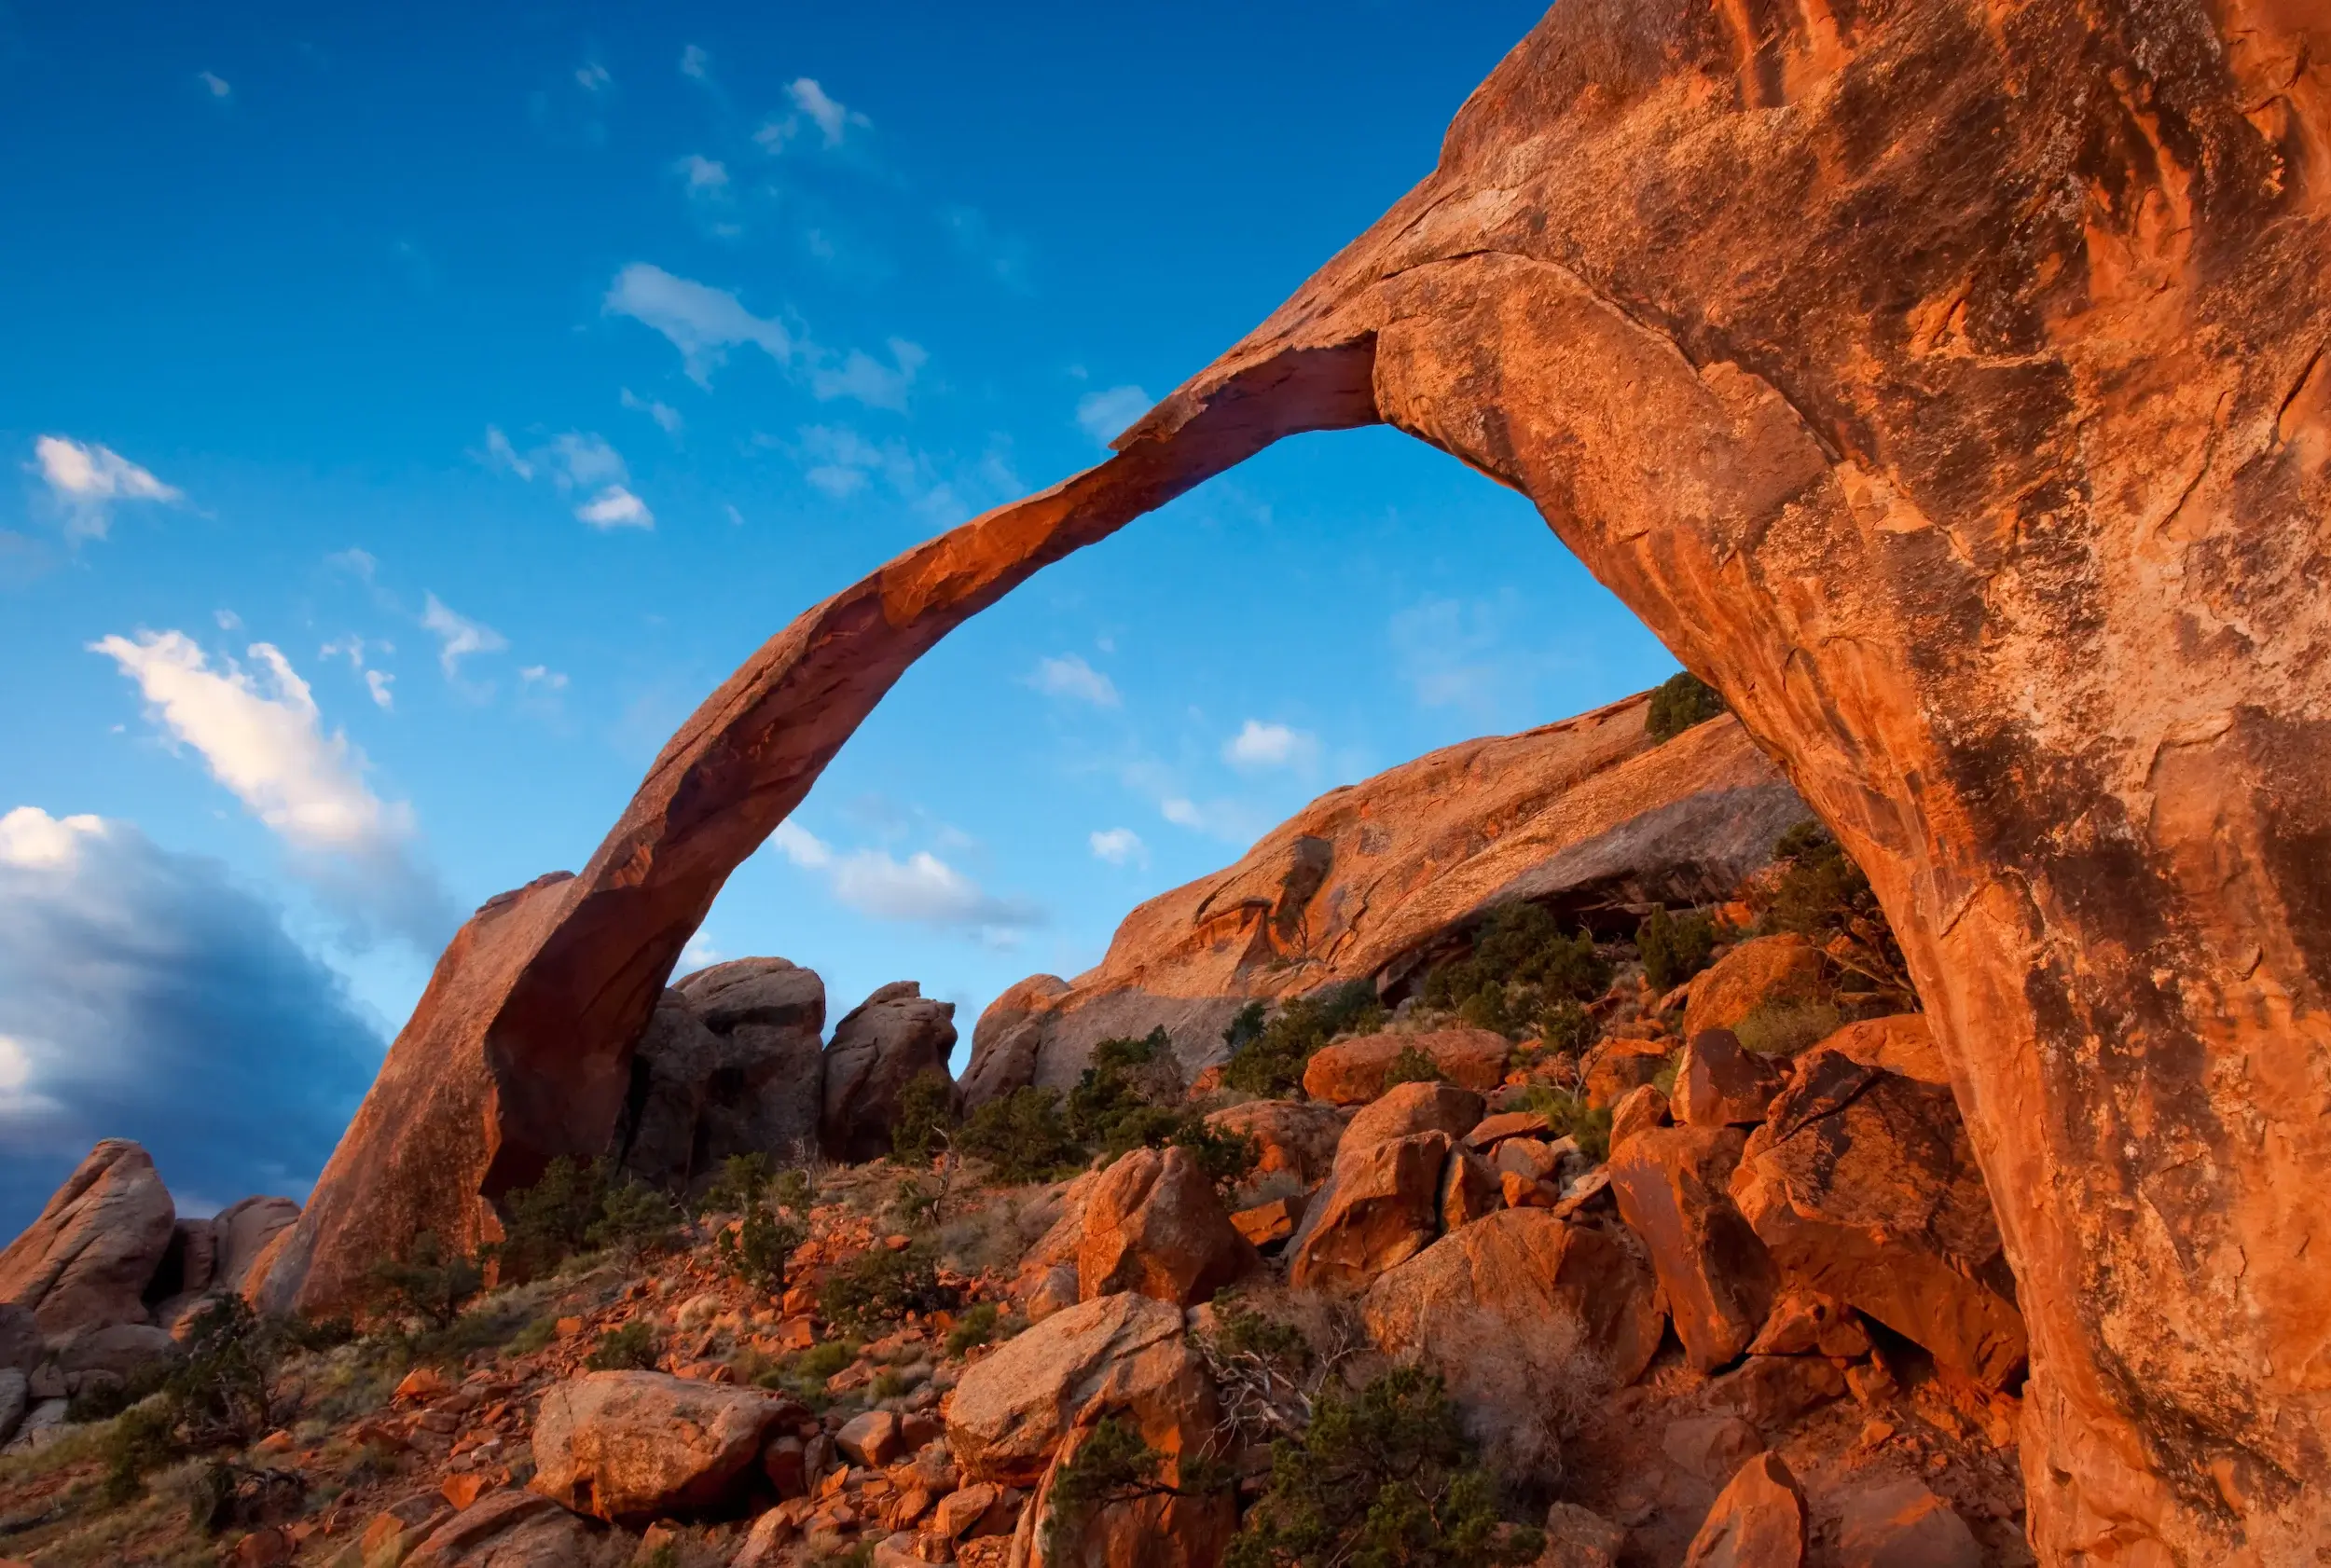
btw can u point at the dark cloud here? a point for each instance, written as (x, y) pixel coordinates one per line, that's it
(144, 994)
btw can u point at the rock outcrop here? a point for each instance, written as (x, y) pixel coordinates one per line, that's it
(1154, 1225)
(637, 1446)
(1759, 1520)
(1979, 461)
(1352, 1072)
(731, 1063)
(1372, 880)
(1864, 1187)
(878, 1049)
(85, 1264)
(1531, 1323)
(1381, 1203)
(1673, 1191)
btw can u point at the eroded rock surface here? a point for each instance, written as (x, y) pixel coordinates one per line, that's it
(84, 1265)
(731, 1063)
(1154, 1225)
(634, 1446)
(1672, 1186)
(878, 1049)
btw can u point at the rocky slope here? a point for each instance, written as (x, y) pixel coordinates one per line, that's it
(1372, 880)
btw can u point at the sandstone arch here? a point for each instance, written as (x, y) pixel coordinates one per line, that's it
(1943, 381)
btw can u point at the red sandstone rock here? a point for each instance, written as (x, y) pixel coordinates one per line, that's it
(83, 1264)
(634, 1446)
(1469, 1189)
(1640, 1109)
(1865, 1189)
(1805, 1323)
(1902, 1524)
(1902, 1043)
(1381, 1207)
(1623, 1066)
(1352, 1072)
(1530, 1322)
(1717, 1084)
(1711, 1447)
(1297, 1137)
(1495, 1130)
(1719, 1281)
(1768, 970)
(1759, 1520)
(880, 1046)
(1152, 1224)
(1772, 1391)
(1269, 1223)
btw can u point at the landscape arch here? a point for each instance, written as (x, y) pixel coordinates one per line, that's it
(1942, 381)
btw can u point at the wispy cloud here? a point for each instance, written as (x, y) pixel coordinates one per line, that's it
(354, 649)
(616, 507)
(921, 889)
(866, 379)
(213, 84)
(458, 638)
(1467, 654)
(1068, 676)
(703, 323)
(841, 463)
(262, 736)
(88, 479)
(665, 417)
(1105, 415)
(1119, 847)
(593, 78)
(1258, 745)
(817, 107)
(583, 461)
(702, 176)
(1004, 257)
(695, 63)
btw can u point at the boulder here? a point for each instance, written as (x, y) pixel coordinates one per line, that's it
(1351, 1072)
(631, 1447)
(1864, 1188)
(15, 1399)
(1806, 1322)
(1491, 1131)
(1901, 1043)
(1381, 1207)
(1774, 1391)
(731, 1063)
(1717, 1084)
(1154, 1225)
(1296, 1136)
(1580, 1538)
(120, 1350)
(1530, 1322)
(871, 1437)
(240, 1233)
(1765, 971)
(1712, 1448)
(1469, 1189)
(84, 1263)
(1622, 1067)
(1672, 1184)
(1269, 1223)
(1116, 1355)
(20, 1345)
(1412, 1107)
(1154, 1530)
(1009, 1039)
(1637, 1110)
(1902, 1524)
(878, 1049)
(1758, 1522)
(508, 1529)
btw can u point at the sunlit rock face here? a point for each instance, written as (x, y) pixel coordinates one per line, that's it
(1943, 382)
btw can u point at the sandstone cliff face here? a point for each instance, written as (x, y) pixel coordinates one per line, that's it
(1943, 382)
(1366, 881)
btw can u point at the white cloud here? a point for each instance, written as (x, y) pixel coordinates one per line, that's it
(544, 675)
(1069, 676)
(593, 78)
(214, 84)
(227, 620)
(458, 636)
(378, 681)
(702, 175)
(813, 103)
(89, 478)
(868, 379)
(1105, 415)
(616, 507)
(665, 417)
(840, 463)
(1258, 745)
(696, 65)
(29, 836)
(359, 563)
(1182, 812)
(703, 323)
(262, 738)
(1231, 821)
(587, 460)
(1118, 845)
(921, 889)
(1476, 655)
(701, 953)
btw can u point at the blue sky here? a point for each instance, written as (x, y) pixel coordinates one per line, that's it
(412, 417)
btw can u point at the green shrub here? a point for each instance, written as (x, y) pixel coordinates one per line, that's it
(821, 1361)
(1568, 1116)
(738, 1187)
(1521, 971)
(545, 1224)
(1246, 1028)
(1114, 1465)
(1384, 1478)
(1786, 1029)
(925, 1114)
(1568, 1027)
(141, 1441)
(428, 1283)
(1271, 1061)
(976, 1327)
(1680, 702)
(794, 1191)
(1412, 1065)
(879, 1286)
(631, 1348)
(535, 1336)
(634, 1219)
(1021, 1135)
(1823, 896)
(1673, 948)
(757, 1248)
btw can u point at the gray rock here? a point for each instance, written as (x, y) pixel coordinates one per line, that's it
(120, 1350)
(21, 1347)
(43, 1424)
(86, 1262)
(16, 1397)
(885, 1042)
